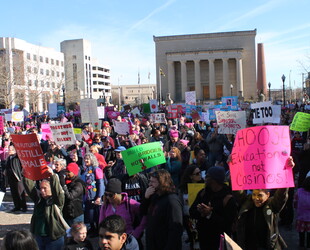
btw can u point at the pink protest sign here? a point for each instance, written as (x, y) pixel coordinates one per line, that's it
(1, 125)
(258, 158)
(46, 131)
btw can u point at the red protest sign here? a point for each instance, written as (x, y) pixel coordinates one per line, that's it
(258, 158)
(31, 156)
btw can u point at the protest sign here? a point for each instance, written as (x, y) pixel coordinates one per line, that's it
(205, 117)
(265, 112)
(1, 197)
(230, 244)
(135, 112)
(172, 112)
(100, 111)
(144, 156)
(31, 156)
(8, 117)
(158, 118)
(63, 133)
(190, 97)
(258, 158)
(52, 110)
(230, 102)
(193, 189)
(1, 125)
(146, 108)
(18, 116)
(230, 121)
(122, 128)
(89, 113)
(78, 133)
(46, 131)
(301, 122)
(153, 105)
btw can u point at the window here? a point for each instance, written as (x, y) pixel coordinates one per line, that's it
(52, 61)
(36, 83)
(53, 73)
(74, 57)
(34, 57)
(28, 56)
(29, 69)
(41, 71)
(35, 70)
(47, 84)
(53, 85)
(29, 83)
(42, 84)
(57, 73)
(62, 63)
(46, 59)
(94, 68)
(62, 74)
(85, 57)
(41, 58)
(47, 72)
(57, 62)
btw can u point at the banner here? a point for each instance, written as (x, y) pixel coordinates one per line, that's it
(31, 156)
(193, 189)
(122, 128)
(258, 158)
(63, 133)
(144, 156)
(153, 105)
(265, 112)
(46, 131)
(18, 116)
(301, 122)
(158, 118)
(52, 110)
(190, 97)
(230, 122)
(89, 113)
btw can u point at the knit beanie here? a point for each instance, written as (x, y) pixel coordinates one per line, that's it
(217, 174)
(174, 133)
(114, 186)
(74, 168)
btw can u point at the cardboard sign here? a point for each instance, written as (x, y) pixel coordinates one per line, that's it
(18, 116)
(193, 189)
(301, 122)
(31, 156)
(63, 133)
(265, 112)
(89, 113)
(1, 125)
(158, 118)
(122, 128)
(52, 110)
(153, 105)
(258, 158)
(190, 97)
(144, 156)
(46, 131)
(230, 122)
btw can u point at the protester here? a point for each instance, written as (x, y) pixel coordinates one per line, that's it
(19, 240)
(79, 240)
(164, 213)
(60, 170)
(173, 165)
(113, 236)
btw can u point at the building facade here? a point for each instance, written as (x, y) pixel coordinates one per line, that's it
(133, 94)
(85, 77)
(31, 76)
(213, 65)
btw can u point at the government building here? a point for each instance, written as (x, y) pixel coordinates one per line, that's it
(212, 64)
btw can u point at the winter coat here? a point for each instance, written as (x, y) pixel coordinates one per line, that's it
(173, 166)
(129, 211)
(93, 177)
(271, 210)
(55, 227)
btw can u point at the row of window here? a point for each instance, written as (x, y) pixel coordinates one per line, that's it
(101, 76)
(101, 69)
(47, 72)
(43, 84)
(47, 60)
(100, 90)
(101, 83)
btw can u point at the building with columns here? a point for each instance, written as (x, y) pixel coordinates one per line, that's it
(213, 65)
(31, 76)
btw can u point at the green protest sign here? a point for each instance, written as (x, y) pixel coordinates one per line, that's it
(301, 122)
(144, 156)
(146, 108)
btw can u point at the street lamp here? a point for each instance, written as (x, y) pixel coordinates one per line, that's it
(64, 95)
(231, 89)
(269, 86)
(283, 80)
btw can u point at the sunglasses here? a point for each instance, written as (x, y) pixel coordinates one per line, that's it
(109, 195)
(198, 173)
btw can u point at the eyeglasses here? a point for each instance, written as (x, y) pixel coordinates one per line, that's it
(109, 195)
(197, 174)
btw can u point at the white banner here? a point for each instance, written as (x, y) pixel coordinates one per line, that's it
(230, 122)
(122, 128)
(52, 110)
(265, 112)
(158, 118)
(89, 112)
(63, 133)
(153, 105)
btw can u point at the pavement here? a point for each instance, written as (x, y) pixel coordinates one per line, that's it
(21, 220)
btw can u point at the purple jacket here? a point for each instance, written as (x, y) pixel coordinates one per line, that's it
(128, 210)
(303, 205)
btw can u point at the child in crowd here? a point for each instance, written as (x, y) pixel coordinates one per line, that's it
(78, 240)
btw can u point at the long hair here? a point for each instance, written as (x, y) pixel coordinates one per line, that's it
(177, 152)
(19, 240)
(165, 182)
(93, 159)
(186, 177)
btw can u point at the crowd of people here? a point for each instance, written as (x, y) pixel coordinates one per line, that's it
(89, 192)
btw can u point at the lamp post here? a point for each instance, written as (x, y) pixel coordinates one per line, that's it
(283, 80)
(269, 86)
(64, 95)
(231, 89)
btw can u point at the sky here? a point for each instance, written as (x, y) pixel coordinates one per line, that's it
(121, 32)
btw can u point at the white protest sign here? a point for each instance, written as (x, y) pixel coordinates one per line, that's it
(18, 116)
(52, 110)
(8, 117)
(158, 118)
(100, 112)
(135, 111)
(230, 122)
(121, 128)
(63, 133)
(153, 105)
(265, 112)
(205, 117)
(89, 111)
(190, 97)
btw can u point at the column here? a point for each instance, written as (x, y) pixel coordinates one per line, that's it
(198, 88)
(226, 85)
(171, 81)
(183, 79)
(239, 77)
(212, 89)
(26, 100)
(40, 102)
